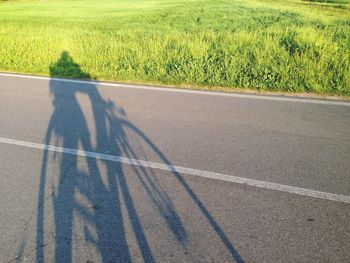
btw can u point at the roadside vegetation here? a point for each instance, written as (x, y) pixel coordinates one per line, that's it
(281, 45)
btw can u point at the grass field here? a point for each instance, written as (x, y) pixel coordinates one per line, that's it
(281, 45)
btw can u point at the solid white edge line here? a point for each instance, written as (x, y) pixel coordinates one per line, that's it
(184, 170)
(189, 91)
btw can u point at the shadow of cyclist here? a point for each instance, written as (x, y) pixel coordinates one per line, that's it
(104, 191)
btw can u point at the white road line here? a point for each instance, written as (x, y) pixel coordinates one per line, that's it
(184, 170)
(188, 91)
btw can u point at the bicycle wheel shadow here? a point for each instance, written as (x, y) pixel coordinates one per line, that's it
(104, 191)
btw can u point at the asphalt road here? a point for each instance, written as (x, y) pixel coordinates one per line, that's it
(128, 180)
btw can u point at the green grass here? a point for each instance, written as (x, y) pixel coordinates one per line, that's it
(282, 45)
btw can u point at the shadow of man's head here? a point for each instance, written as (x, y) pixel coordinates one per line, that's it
(67, 68)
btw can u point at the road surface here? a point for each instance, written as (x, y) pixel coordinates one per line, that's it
(98, 172)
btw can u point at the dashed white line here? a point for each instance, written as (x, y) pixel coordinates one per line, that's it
(184, 170)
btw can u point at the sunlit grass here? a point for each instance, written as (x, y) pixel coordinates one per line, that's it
(290, 45)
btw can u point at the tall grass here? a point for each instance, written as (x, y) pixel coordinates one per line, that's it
(267, 45)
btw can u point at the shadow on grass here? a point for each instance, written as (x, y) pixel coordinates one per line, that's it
(105, 191)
